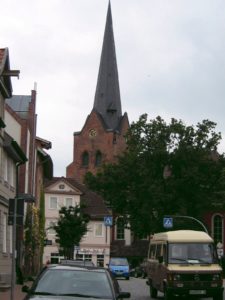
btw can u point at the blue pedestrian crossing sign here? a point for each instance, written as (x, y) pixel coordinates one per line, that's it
(108, 221)
(167, 222)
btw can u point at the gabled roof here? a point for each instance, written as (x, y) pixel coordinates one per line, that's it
(107, 96)
(94, 204)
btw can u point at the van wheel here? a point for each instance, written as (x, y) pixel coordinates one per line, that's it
(167, 294)
(153, 292)
(127, 278)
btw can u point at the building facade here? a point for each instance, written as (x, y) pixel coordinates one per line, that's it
(95, 245)
(11, 157)
(21, 109)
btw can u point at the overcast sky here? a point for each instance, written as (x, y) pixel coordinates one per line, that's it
(170, 57)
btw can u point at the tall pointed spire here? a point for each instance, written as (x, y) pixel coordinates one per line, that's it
(107, 96)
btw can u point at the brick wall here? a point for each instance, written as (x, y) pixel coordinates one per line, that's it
(109, 143)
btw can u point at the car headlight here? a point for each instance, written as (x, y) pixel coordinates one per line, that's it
(216, 277)
(176, 277)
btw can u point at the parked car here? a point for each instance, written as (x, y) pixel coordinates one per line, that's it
(63, 282)
(184, 263)
(119, 267)
(140, 270)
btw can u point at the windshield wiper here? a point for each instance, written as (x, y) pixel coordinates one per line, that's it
(199, 260)
(43, 293)
(81, 295)
(177, 258)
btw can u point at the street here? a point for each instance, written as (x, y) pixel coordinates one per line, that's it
(139, 289)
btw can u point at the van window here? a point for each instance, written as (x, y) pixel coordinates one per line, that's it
(164, 253)
(192, 253)
(152, 251)
(158, 250)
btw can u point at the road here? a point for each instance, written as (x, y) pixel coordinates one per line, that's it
(139, 289)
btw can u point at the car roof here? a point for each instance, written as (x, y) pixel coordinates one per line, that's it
(74, 267)
(74, 262)
(182, 236)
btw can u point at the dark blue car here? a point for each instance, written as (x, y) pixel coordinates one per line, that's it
(119, 267)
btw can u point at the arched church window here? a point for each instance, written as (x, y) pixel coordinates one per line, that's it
(217, 222)
(85, 159)
(120, 228)
(98, 158)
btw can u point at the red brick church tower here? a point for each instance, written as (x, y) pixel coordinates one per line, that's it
(101, 139)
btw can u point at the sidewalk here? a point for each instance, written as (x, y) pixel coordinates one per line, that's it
(18, 294)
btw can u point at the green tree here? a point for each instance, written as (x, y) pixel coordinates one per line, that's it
(71, 227)
(167, 169)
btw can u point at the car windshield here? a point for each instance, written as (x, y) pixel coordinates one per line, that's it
(119, 262)
(87, 283)
(193, 253)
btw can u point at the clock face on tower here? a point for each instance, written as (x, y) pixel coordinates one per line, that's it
(92, 133)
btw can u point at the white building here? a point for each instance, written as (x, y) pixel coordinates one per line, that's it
(95, 245)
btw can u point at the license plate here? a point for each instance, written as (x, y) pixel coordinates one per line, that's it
(197, 292)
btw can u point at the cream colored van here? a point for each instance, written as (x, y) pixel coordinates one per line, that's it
(184, 262)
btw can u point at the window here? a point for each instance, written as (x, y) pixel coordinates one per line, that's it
(98, 229)
(87, 257)
(217, 229)
(158, 250)
(85, 159)
(0, 161)
(68, 202)
(10, 239)
(5, 167)
(4, 223)
(120, 229)
(100, 260)
(10, 172)
(98, 158)
(53, 203)
(152, 251)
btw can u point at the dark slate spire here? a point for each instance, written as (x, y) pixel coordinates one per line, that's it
(107, 96)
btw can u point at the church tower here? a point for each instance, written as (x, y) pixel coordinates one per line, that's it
(101, 139)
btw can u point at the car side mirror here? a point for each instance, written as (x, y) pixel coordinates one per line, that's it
(123, 295)
(25, 289)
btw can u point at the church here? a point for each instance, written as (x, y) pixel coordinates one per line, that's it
(101, 139)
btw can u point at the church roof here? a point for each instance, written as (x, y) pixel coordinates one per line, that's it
(107, 96)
